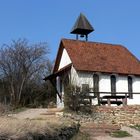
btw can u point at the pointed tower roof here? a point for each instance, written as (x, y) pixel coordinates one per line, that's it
(82, 26)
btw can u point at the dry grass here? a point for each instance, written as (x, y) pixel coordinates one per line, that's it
(14, 128)
(4, 109)
(81, 136)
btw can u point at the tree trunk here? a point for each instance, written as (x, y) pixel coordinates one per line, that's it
(20, 91)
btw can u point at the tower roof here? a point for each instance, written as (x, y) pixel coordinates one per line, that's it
(82, 26)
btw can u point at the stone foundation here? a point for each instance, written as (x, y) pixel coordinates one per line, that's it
(120, 115)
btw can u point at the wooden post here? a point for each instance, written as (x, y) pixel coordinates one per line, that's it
(108, 102)
(126, 99)
(123, 101)
(86, 37)
(90, 99)
(98, 96)
(76, 36)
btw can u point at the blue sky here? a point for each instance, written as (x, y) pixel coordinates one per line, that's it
(114, 21)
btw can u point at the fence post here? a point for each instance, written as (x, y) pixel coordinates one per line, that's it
(126, 99)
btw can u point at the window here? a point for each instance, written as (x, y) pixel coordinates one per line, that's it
(96, 82)
(85, 88)
(130, 90)
(96, 87)
(113, 84)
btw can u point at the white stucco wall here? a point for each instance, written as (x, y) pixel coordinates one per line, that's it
(65, 59)
(121, 83)
(74, 77)
(136, 89)
(136, 84)
(79, 78)
(104, 83)
(86, 78)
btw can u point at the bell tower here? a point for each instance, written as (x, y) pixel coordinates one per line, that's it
(82, 27)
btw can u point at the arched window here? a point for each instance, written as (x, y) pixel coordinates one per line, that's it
(96, 87)
(96, 82)
(130, 90)
(113, 84)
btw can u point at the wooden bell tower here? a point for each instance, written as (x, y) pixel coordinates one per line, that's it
(82, 27)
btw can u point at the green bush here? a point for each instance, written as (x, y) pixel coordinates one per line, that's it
(70, 99)
(74, 100)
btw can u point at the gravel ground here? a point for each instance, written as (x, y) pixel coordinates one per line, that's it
(135, 135)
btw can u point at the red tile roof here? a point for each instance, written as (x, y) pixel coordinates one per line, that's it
(99, 57)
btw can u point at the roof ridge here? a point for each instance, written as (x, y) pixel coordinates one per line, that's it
(83, 41)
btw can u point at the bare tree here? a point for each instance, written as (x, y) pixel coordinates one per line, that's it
(49, 67)
(20, 62)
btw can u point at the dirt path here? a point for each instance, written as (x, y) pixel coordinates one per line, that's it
(29, 114)
(37, 114)
(135, 135)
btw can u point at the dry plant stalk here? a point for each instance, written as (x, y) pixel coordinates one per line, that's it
(14, 128)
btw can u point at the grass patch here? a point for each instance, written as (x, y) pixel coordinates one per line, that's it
(120, 134)
(81, 136)
(137, 127)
